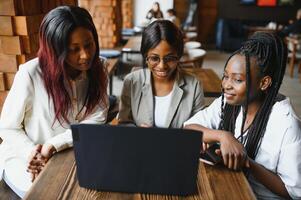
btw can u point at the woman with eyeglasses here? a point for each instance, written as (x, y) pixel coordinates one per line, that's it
(159, 95)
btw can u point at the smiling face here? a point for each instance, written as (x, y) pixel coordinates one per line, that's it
(81, 50)
(162, 61)
(235, 79)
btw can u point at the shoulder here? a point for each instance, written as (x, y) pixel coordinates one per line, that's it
(284, 119)
(30, 68)
(189, 81)
(138, 76)
(283, 109)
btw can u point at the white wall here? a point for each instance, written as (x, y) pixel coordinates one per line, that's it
(141, 7)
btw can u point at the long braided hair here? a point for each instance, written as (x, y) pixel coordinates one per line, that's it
(270, 54)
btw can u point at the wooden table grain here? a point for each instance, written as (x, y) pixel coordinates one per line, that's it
(58, 181)
(210, 80)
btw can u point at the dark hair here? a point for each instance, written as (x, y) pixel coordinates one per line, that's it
(54, 35)
(172, 11)
(157, 3)
(161, 30)
(270, 55)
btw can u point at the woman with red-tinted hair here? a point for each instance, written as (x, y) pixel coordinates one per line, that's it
(66, 84)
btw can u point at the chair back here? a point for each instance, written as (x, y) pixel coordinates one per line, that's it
(192, 45)
(294, 55)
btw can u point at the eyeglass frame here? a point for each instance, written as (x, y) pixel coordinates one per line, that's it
(164, 60)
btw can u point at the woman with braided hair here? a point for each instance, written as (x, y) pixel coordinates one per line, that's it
(256, 127)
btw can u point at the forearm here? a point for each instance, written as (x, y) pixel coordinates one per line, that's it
(269, 179)
(209, 135)
(61, 141)
(125, 115)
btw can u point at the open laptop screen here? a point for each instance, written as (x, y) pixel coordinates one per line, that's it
(137, 160)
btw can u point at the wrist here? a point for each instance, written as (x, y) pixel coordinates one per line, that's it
(220, 136)
(52, 149)
(48, 150)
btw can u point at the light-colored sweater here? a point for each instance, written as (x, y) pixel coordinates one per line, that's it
(27, 116)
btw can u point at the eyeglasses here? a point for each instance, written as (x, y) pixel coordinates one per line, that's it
(170, 61)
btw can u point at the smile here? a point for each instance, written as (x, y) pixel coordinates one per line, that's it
(161, 73)
(227, 95)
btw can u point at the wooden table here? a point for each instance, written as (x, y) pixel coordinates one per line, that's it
(132, 45)
(58, 181)
(210, 81)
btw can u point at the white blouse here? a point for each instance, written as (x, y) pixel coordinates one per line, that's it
(162, 105)
(280, 150)
(27, 116)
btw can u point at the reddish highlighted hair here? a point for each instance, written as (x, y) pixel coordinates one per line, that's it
(54, 35)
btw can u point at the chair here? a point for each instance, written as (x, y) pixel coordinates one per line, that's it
(192, 45)
(294, 55)
(189, 36)
(193, 58)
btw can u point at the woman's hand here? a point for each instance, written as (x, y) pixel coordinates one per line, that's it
(47, 151)
(205, 146)
(38, 158)
(35, 162)
(145, 125)
(232, 151)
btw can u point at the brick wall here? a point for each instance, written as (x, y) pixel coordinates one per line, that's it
(107, 19)
(19, 26)
(127, 13)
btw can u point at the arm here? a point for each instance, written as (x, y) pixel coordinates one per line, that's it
(125, 106)
(64, 140)
(16, 106)
(207, 121)
(231, 150)
(286, 180)
(149, 15)
(269, 179)
(199, 99)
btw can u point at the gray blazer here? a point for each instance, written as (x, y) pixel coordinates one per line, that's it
(137, 100)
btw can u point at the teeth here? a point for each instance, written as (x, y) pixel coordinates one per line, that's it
(161, 73)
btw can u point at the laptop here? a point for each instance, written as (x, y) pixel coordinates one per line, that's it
(136, 159)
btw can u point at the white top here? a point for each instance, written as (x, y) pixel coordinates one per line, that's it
(280, 150)
(161, 109)
(28, 114)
